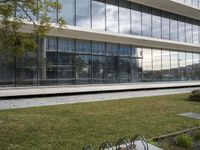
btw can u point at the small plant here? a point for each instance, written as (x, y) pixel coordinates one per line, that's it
(197, 136)
(195, 95)
(184, 141)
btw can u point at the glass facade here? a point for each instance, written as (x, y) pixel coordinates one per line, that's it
(195, 3)
(68, 61)
(130, 18)
(65, 61)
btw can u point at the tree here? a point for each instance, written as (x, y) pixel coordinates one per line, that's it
(14, 14)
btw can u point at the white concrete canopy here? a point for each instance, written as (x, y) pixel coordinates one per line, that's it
(174, 6)
(105, 36)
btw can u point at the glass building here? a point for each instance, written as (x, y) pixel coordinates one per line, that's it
(111, 41)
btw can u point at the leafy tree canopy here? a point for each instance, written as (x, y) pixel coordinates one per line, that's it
(16, 13)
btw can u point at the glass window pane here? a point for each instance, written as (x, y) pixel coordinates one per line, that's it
(195, 2)
(195, 32)
(111, 69)
(83, 46)
(156, 23)
(189, 66)
(26, 70)
(7, 70)
(157, 71)
(124, 69)
(136, 19)
(66, 45)
(181, 29)
(146, 21)
(83, 69)
(165, 25)
(188, 2)
(182, 66)
(98, 14)
(165, 65)
(83, 13)
(112, 15)
(51, 44)
(196, 66)
(147, 64)
(136, 64)
(173, 28)
(68, 11)
(112, 49)
(174, 66)
(98, 48)
(124, 50)
(98, 69)
(188, 30)
(124, 17)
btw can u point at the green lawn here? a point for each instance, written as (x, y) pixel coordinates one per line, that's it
(70, 127)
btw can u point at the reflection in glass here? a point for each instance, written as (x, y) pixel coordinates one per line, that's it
(196, 33)
(146, 21)
(98, 14)
(174, 66)
(156, 23)
(98, 48)
(166, 65)
(83, 46)
(189, 66)
(111, 69)
(173, 27)
(147, 64)
(124, 50)
(124, 69)
(68, 11)
(196, 66)
(182, 66)
(181, 28)
(157, 71)
(188, 31)
(195, 2)
(98, 69)
(66, 45)
(136, 19)
(112, 49)
(124, 17)
(7, 71)
(83, 69)
(26, 69)
(83, 13)
(112, 15)
(165, 25)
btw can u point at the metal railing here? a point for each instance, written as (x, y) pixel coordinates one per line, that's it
(122, 144)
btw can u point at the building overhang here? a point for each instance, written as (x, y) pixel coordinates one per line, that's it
(174, 6)
(105, 36)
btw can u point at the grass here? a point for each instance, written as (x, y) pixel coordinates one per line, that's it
(73, 126)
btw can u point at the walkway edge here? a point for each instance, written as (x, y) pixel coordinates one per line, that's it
(69, 91)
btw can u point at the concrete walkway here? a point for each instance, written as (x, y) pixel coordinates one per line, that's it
(30, 92)
(48, 101)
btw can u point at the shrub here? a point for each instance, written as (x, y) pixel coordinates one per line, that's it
(184, 141)
(197, 135)
(195, 95)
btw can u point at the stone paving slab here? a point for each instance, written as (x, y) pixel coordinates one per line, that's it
(139, 146)
(77, 89)
(49, 101)
(191, 115)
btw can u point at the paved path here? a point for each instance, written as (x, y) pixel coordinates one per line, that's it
(77, 89)
(48, 101)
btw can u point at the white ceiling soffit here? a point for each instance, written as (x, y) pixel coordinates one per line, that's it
(174, 6)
